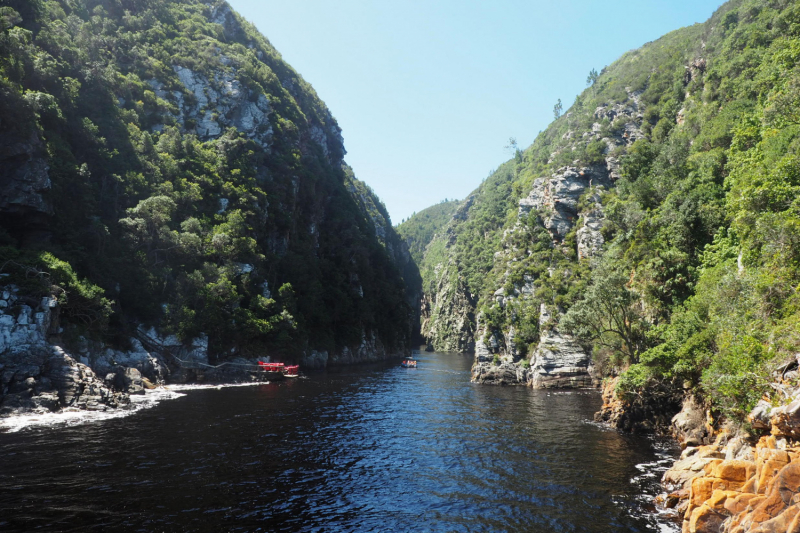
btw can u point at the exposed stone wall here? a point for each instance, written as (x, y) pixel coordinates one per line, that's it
(448, 314)
(37, 376)
(728, 481)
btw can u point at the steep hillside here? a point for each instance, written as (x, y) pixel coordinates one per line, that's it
(161, 165)
(420, 228)
(651, 228)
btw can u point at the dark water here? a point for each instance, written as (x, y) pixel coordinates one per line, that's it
(370, 449)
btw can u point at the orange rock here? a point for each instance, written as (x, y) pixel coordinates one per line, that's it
(702, 489)
(768, 454)
(794, 525)
(718, 499)
(787, 482)
(779, 524)
(711, 467)
(750, 485)
(741, 502)
(704, 519)
(739, 471)
(711, 451)
(771, 506)
(767, 442)
(721, 484)
(767, 472)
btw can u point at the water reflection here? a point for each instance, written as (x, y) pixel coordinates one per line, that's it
(379, 448)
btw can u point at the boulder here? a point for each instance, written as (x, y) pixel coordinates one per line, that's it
(128, 380)
(689, 425)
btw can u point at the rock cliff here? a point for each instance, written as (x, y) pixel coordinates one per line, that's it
(191, 181)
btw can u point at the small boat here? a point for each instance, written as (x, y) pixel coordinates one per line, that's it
(409, 362)
(276, 371)
(268, 371)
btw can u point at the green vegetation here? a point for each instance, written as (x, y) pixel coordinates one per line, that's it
(697, 285)
(256, 236)
(420, 228)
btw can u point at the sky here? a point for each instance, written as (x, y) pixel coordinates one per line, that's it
(428, 92)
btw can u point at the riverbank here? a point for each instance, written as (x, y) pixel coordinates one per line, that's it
(727, 479)
(733, 486)
(45, 370)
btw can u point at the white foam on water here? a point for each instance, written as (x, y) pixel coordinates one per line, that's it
(76, 417)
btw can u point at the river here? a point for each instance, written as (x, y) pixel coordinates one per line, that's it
(375, 448)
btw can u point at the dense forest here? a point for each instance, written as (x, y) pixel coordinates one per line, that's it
(656, 221)
(161, 165)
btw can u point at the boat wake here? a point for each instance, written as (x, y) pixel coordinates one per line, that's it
(75, 417)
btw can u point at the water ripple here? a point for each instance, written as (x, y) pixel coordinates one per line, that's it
(378, 448)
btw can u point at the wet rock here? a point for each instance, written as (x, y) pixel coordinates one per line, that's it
(315, 359)
(129, 380)
(650, 411)
(504, 373)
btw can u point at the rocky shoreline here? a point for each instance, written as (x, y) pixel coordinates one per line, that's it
(726, 480)
(39, 374)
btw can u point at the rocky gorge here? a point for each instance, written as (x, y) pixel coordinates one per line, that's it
(640, 245)
(179, 212)
(181, 208)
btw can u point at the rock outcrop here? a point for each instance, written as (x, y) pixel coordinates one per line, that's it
(733, 487)
(650, 411)
(557, 197)
(544, 230)
(729, 482)
(36, 376)
(559, 362)
(491, 369)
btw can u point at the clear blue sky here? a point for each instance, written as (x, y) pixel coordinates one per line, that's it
(428, 92)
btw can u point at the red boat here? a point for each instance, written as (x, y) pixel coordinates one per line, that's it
(277, 370)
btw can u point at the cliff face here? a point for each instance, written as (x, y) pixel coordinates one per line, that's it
(162, 166)
(641, 227)
(568, 205)
(558, 221)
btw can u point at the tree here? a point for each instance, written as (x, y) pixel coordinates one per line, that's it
(147, 226)
(557, 109)
(514, 148)
(591, 79)
(783, 107)
(609, 314)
